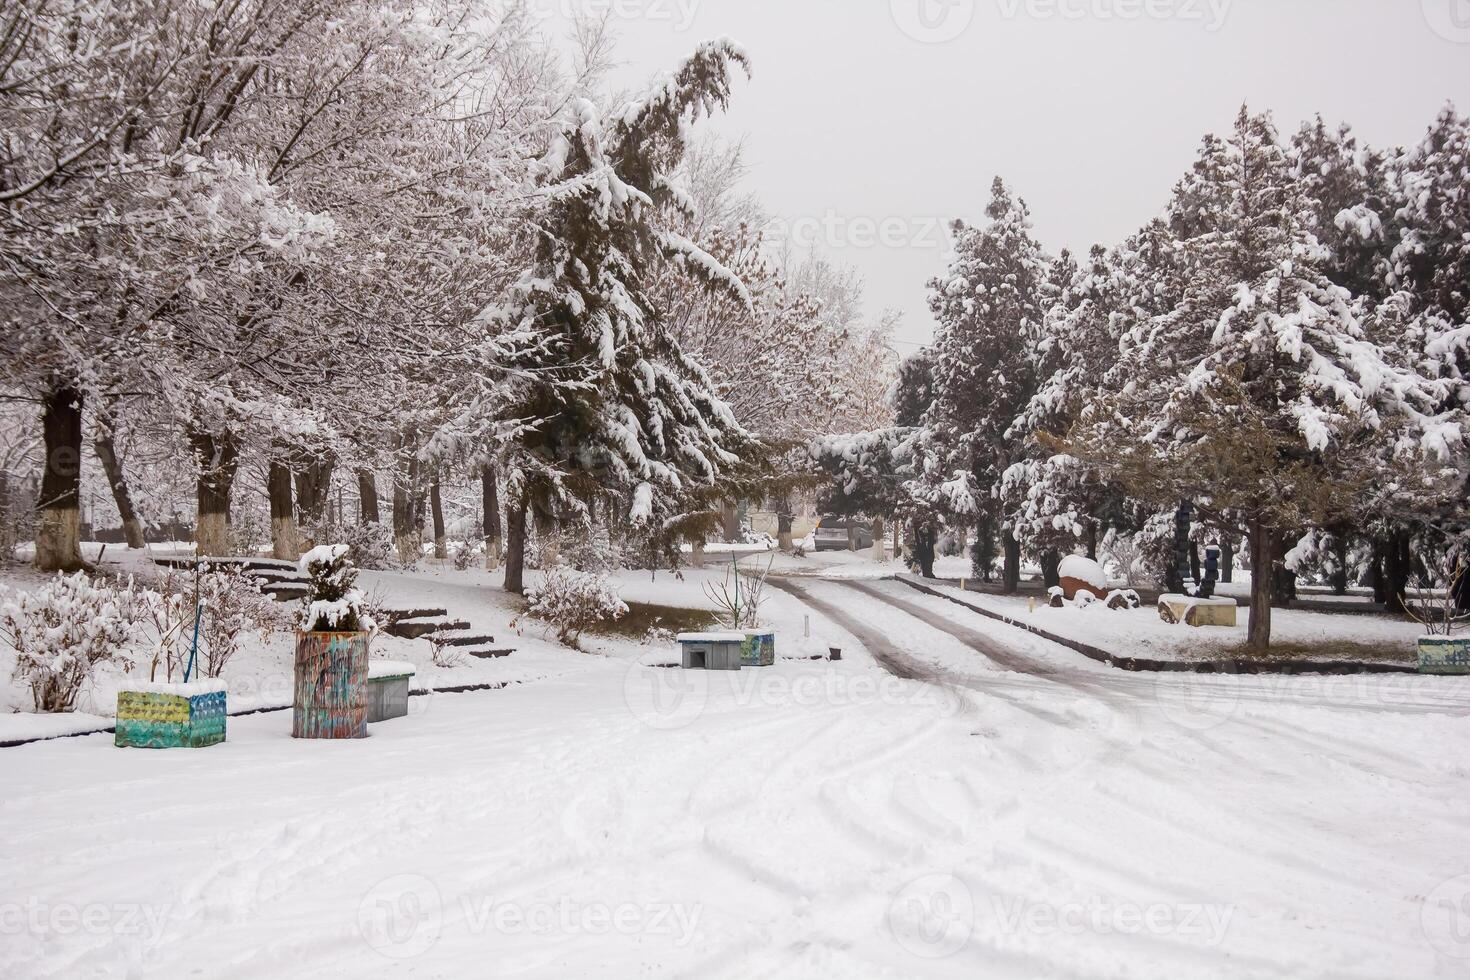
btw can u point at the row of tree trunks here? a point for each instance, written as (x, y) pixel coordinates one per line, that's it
(490, 508)
(218, 459)
(59, 521)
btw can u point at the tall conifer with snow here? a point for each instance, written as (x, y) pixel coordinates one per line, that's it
(990, 309)
(606, 401)
(1261, 394)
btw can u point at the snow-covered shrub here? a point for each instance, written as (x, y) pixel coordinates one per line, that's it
(739, 597)
(63, 630)
(466, 555)
(1124, 554)
(334, 604)
(571, 602)
(371, 545)
(233, 605)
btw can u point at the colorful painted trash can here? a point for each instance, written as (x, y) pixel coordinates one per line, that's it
(331, 696)
(171, 716)
(758, 649)
(1444, 655)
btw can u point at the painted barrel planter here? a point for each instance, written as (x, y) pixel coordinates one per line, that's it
(171, 716)
(331, 699)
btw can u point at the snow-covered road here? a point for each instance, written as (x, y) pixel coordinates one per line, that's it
(1028, 814)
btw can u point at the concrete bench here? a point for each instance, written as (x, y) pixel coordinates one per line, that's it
(388, 685)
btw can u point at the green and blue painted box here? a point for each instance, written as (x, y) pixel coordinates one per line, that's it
(1444, 655)
(171, 716)
(758, 649)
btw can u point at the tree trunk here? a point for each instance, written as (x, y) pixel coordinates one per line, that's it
(1227, 560)
(490, 507)
(1194, 563)
(436, 504)
(313, 492)
(1340, 559)
(285, 544)
(730, 520)
(897, 540)
(59, 528)
(1091, 540)
(218, 459)
(1179, 561)
(367, 496)
(924, 541)
(404, 538)
(515, 547)
(1263, 562)
(783, 525)
(7, 542)
(1011, 580)
(106, 445)
(1050, 569)
(880, 554)
(1397, 566)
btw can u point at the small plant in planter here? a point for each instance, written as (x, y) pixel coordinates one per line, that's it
(332, 639)
(739, 603)
(1445, 647)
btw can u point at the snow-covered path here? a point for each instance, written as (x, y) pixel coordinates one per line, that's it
(1061, 820)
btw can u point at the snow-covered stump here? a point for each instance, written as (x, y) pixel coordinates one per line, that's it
(171, 716)
(1444, 655)
(1197, 612)
(388, 690)
(713, 651)
(758, 649)
(331, 697)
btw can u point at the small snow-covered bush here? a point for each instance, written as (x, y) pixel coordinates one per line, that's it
(63, 631)
(371, 545)
(571, 602)
(233, 605)
(334, 604)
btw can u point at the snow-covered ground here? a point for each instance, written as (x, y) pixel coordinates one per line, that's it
(1141, 633)
(1027, 814)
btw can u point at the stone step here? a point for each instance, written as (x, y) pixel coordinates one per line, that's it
(413, 629)
(396, 615)
(281, 576)
(460, 640)
(488, 654)
(285, 592)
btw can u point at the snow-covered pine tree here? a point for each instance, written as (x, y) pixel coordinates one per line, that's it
(606, 400)
(1261, 395)
(989, 307)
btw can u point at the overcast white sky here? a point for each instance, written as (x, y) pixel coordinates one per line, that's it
(882, 119)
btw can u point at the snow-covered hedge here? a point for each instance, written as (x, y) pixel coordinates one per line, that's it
(570, 602)
(63, 630)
